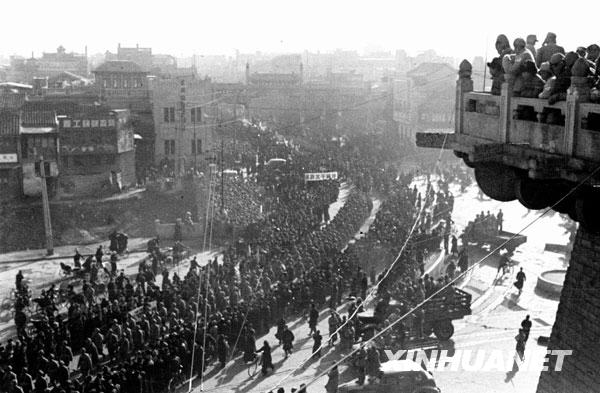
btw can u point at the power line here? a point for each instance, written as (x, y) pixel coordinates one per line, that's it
(458, 277)
(374, 287)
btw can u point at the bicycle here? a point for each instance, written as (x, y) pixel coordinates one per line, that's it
(176, 382)
(253, 366)
(509, 268)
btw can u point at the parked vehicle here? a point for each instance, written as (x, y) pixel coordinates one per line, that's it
(395, 376)
(439, 313)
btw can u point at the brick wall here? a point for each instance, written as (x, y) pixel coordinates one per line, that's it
(577, 325)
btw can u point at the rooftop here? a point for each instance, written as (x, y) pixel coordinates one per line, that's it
(124, 66)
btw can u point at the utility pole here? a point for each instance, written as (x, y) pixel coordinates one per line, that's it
(46, 210)
(180, 166)
(195, 144)
(222, 170)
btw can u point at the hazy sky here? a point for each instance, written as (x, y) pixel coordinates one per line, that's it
(457, 29)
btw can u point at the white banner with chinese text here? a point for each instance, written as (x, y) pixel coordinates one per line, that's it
(319, 176)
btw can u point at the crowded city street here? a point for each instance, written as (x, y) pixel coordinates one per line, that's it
(496, 309)
(267, 197)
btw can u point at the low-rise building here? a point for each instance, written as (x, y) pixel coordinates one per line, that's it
(10, 167)
(97, 152)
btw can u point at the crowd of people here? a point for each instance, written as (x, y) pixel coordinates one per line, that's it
(545, 71)
(143, 330)
(138, 334)
(484, 225)
(241, 201)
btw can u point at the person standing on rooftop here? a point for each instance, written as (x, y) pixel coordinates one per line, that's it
(549, 47)
(503, 46)
(531, 40)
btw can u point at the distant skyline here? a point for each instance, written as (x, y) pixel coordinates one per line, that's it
(183, 28)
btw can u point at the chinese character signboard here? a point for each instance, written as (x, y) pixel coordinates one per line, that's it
(8, 158)
(320, 176)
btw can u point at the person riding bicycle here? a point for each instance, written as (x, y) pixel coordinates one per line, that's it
(267, 360)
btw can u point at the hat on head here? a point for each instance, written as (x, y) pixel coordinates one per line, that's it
(518, 42)
(593, 47)
(550, 37)
(556, 58)
(532, 38)
(545, 66)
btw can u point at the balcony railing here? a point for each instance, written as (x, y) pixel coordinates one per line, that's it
(568, 128)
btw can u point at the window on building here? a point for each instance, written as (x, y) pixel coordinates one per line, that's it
(197, 146)
(196, 115)
(169, 114)
(169, 147)
(4, 177)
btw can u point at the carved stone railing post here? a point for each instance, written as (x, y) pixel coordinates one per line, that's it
(505, 111)
(578, 92)
(464, 85)
(570, 124)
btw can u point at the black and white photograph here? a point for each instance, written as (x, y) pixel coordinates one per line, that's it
(271, 196)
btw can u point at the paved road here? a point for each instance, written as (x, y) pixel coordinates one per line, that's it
(493, 325)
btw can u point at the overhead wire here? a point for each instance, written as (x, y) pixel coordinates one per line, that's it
(207, 282)
(452, 281)
(382, 96)
(198, 291)
(371, 293)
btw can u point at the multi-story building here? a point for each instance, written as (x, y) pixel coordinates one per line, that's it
(123, 84)
(141, 56)
(184, 120)
(52, 64)
(424, 99)
(155, 64)
(13, 95)
(39, 141)
(96, 151)
(337, 103)
(49, 65)
(10, 168)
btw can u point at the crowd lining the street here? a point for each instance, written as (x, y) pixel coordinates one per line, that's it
(137, 334)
